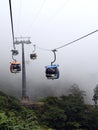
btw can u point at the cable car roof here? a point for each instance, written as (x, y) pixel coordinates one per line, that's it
(52, 66)
(15, 62)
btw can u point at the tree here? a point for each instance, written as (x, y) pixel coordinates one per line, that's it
(54, 117)
(14, 116)
(95, 97)
(64, 112)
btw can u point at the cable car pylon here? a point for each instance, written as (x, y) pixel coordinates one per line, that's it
(23, 41)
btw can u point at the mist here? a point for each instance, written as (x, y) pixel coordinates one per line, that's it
(50, 24)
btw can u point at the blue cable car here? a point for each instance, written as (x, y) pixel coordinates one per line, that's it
(52, 72)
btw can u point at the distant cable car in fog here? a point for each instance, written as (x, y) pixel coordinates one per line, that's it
(33, 55)
(52, 71)
(15, 67)
(15, 52)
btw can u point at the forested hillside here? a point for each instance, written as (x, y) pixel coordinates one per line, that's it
(14, 116)
(67, 112)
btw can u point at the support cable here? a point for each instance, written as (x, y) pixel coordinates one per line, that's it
(43, 49)
(69, 43)
(39, 11)
(76, 40)
(12, 23)
(37, 14)
(59, 10)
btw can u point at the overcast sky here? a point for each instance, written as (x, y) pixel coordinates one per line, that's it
(50, 24)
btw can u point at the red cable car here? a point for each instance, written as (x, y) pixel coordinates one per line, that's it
(15, 67)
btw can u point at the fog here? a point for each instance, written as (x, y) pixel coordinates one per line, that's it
(50, 24)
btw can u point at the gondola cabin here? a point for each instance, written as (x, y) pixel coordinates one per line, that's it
(33, 56)
(14, 52)
(15, 67)
(52, 72)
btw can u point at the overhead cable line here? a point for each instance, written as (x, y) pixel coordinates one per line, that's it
(19, 18)
(69, 42)
(39, 11)
(37, 14)
(59, 10)
(76, 40)
(11, 22)
(44, 49)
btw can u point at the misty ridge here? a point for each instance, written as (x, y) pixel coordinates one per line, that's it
(65, 112)
(39, 90)
(38, 86)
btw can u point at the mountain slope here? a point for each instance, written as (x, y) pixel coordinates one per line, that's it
(14, 116)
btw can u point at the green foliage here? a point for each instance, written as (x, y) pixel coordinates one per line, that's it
(3, 118)
(13, 116)
(68, 112)
(54, 117)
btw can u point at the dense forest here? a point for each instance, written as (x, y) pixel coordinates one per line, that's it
(14, 116)
(67, 112)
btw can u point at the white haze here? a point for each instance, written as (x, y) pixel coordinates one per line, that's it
(50, 24)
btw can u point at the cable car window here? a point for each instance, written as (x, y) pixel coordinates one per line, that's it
(14, 52)
(15, 67)
(52, 72)
(33, 56)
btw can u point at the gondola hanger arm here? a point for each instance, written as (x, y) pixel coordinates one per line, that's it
(34, 48)
(54, 51)
(13, 58)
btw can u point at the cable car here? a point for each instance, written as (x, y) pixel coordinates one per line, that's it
(14, 52)
(33, 56)
(52, 72)
(15, 67)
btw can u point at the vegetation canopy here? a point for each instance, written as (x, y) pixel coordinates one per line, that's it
(67, 112)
